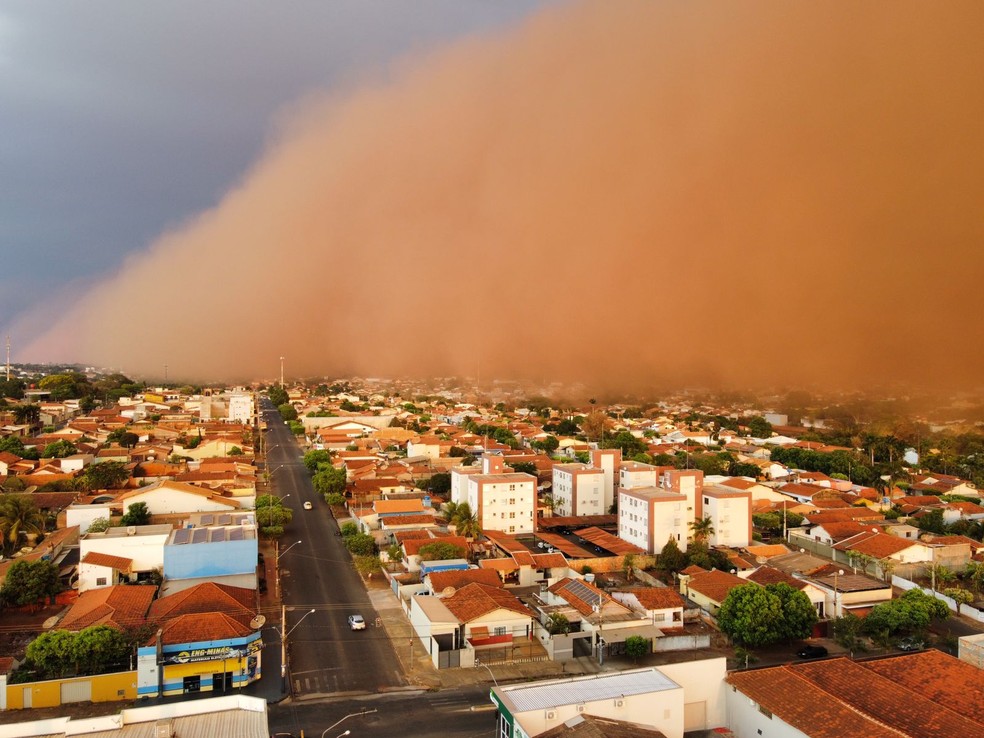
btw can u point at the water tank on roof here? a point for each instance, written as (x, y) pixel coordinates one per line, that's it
(589, 577)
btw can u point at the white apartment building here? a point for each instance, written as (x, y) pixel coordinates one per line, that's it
(730, 512)
(636, 475)
(649, 516)
(688, 482)
(503, 502)
(609, 460)
(578, 489)
(240, 408)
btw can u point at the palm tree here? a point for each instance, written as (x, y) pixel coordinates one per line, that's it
(449, 510)
(18, 514)
(702, 529)
(468, 525)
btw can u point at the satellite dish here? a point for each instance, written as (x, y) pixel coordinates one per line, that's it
(257, 622)
(447, 591)
(50, 622)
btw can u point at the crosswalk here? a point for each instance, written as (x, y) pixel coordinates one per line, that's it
(319, 681)
(452, 702)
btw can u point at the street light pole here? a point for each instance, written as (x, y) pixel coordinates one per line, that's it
(354, 714)
(479, 663)
(837, 573)
(276, 565)
(284, 633)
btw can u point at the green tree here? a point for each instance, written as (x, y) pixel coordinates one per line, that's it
(334, 499)
(701, 529)
(59, 450)
(99, 525)
(52, 654)
(751, 616)
(272, 515)
(558, 624)
(349, 529)
(136, 514)
(361, 544)
(71, 385)
(329, 480)
(759, 427)
(28, 582)
(14, 445)
(438, 484)
(98, 648)
(671, 558)
(314, 459)
(798, 613)
(547, 445)
(105, 475)
(19, 515)
(636, 647)
(524, 467)
(395, 553)
(912, 613)
(847, 632)
(287, 411)
(235, 451)
(440, 551)
(27, 414)
(368, 565)
(278, 395)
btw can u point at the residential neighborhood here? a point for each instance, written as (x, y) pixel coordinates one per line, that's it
(614, 546)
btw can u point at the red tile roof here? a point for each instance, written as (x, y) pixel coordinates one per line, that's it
(119, 563)
(211, 626)
(208, 597)
(475, 600)
(121, 606)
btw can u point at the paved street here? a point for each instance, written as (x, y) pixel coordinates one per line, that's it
(461, 713)
(325, 656)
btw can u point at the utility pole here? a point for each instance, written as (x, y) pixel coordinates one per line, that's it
(8, 357)
(281, 371)
(165, 374)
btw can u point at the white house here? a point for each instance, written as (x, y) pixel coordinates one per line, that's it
(142, 545)
(170, 498)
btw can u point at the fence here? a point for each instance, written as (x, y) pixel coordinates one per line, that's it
(966, 610)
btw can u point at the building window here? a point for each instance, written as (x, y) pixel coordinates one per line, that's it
(659, 617)
(100, 581)
(500, 630)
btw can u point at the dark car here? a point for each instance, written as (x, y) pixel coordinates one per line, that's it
(911, 644)
(812, 652)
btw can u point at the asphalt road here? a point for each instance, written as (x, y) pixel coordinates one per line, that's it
(326, 657)
(465, 713)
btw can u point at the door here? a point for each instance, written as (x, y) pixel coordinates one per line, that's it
(28, 701)
(80, 691)
(694, 716)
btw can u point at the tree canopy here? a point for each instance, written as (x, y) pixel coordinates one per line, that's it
(441, 551)
(757, 616)
(29, 582)
(136, 514)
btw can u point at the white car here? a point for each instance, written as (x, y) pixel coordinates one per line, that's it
(308, 505)
(356, 622)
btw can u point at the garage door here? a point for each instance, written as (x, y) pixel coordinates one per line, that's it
(80, 691)
(695, 716)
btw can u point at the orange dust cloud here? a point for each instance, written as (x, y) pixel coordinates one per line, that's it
(613, 192)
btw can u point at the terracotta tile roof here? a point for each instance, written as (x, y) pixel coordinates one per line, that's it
(911, 712)
(407, 520)
(714, 584)
(121, 606)
(549, 560)
(119, 563)
(208, 597)
(523, 558)
(658, 598)
(843, 516)
(571, 591)
(386, 507)
(765, 575)
(879, 545)
(768, 551)
(503, 565)
(475, 600)
(941, 678)
(803, 705)
(407, 535)
(439, 580)
(412, 546)
(845, 530)
(212, 626)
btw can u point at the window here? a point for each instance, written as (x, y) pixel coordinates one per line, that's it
(659, 617)
(100, 581)
(500, 630)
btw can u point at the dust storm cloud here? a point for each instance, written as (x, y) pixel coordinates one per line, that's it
(615, 192)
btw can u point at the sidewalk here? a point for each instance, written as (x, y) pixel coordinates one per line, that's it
(270, 686)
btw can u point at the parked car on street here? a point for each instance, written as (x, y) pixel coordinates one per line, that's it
(812, 652)
(356, 622)
(911, 643)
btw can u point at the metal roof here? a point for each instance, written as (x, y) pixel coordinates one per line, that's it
(541, 696)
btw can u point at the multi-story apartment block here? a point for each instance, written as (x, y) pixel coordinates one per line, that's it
(578, 489)
(687, 482)
(636, 475)
(730, 512)
(504, 502)
(609, 460)
(648, 517)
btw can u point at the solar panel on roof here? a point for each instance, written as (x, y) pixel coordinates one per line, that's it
(208, 519)
(236, 534)
(225, 519)
(219, 535)
(584, 593)
(181, 535)
(199, 535)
